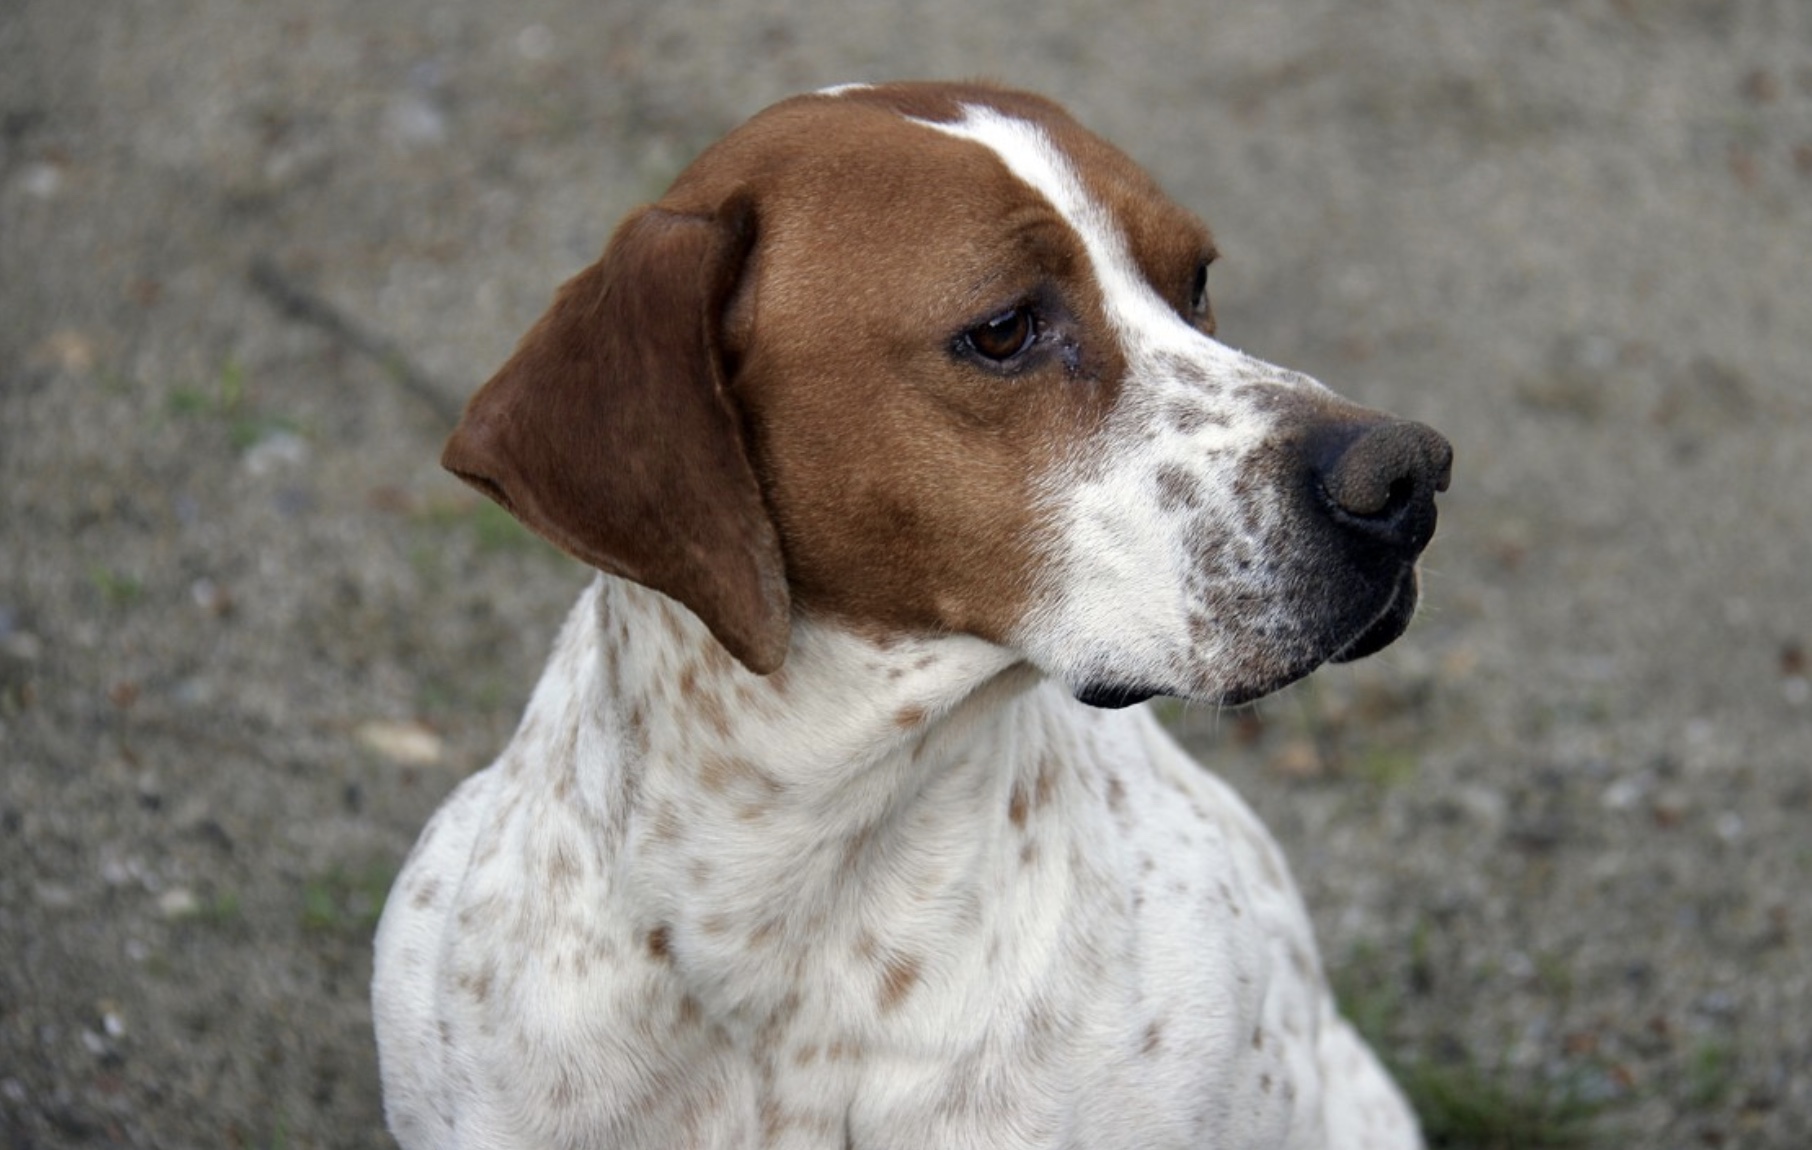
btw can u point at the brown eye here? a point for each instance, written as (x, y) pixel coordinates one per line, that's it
(1004, 336)
(1198, 292)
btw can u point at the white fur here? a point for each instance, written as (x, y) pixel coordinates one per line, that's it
(899, 895)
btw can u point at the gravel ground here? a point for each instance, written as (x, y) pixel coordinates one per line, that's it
(1556, 839)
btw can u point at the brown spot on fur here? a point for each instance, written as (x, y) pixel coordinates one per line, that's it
(426, 893)
(865, 945)
(898, 978)
(717, 660)
(856, 846)
(1016, 807)
(477, 984)
(562, 1094)
(1189, 418)
(710, 705)
(1154, 1038)
(484, 911)
(716, 772)
(764, 933)
(909, 717)
(659, 944)
(562, 868)
(1028, 854)
(1044, 785)
(843, 1050)
(668, 827)
(773, 1121)
(1116, 794)
(1178, 489)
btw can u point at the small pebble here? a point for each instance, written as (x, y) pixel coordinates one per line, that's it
(276, 450)
(178, 902)
(210, 596)
(408, 743)
(1622, 795)
(41, 180)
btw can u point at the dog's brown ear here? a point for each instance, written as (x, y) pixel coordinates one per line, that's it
(610, 431)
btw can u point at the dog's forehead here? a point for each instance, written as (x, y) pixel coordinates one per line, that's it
(947, 139)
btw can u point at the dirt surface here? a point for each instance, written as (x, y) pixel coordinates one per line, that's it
(1558, 839)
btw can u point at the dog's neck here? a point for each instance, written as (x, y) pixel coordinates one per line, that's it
(864, 802)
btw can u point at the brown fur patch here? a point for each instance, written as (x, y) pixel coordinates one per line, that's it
(898, 977)
(660, 941)
(1116, 794)
(1154, 1038)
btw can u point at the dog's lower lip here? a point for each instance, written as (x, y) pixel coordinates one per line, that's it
(1113, 696)
(1386, 627)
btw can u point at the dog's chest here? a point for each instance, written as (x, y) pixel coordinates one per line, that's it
(622, 976)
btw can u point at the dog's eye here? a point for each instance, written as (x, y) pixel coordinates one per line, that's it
(1198, 292)
(1005, 336)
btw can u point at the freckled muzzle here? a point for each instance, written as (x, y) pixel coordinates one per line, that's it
(1359, 488)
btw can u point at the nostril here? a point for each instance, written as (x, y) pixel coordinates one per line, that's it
(1367, 496)
(1399, 495)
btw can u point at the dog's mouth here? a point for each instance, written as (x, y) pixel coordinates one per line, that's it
(1389, 625)
(1383, 628)
(1112, 696)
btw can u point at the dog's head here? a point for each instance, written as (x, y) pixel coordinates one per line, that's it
(932, 359)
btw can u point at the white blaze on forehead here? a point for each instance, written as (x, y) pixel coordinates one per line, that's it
(1137, 312)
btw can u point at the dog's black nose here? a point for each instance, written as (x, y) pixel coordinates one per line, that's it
(1380, 483)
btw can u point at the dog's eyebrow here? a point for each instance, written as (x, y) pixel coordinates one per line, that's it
(1038, 247)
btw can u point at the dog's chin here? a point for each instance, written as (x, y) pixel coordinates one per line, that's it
(1384, 628)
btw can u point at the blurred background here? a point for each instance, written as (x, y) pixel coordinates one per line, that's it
(253, 256)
